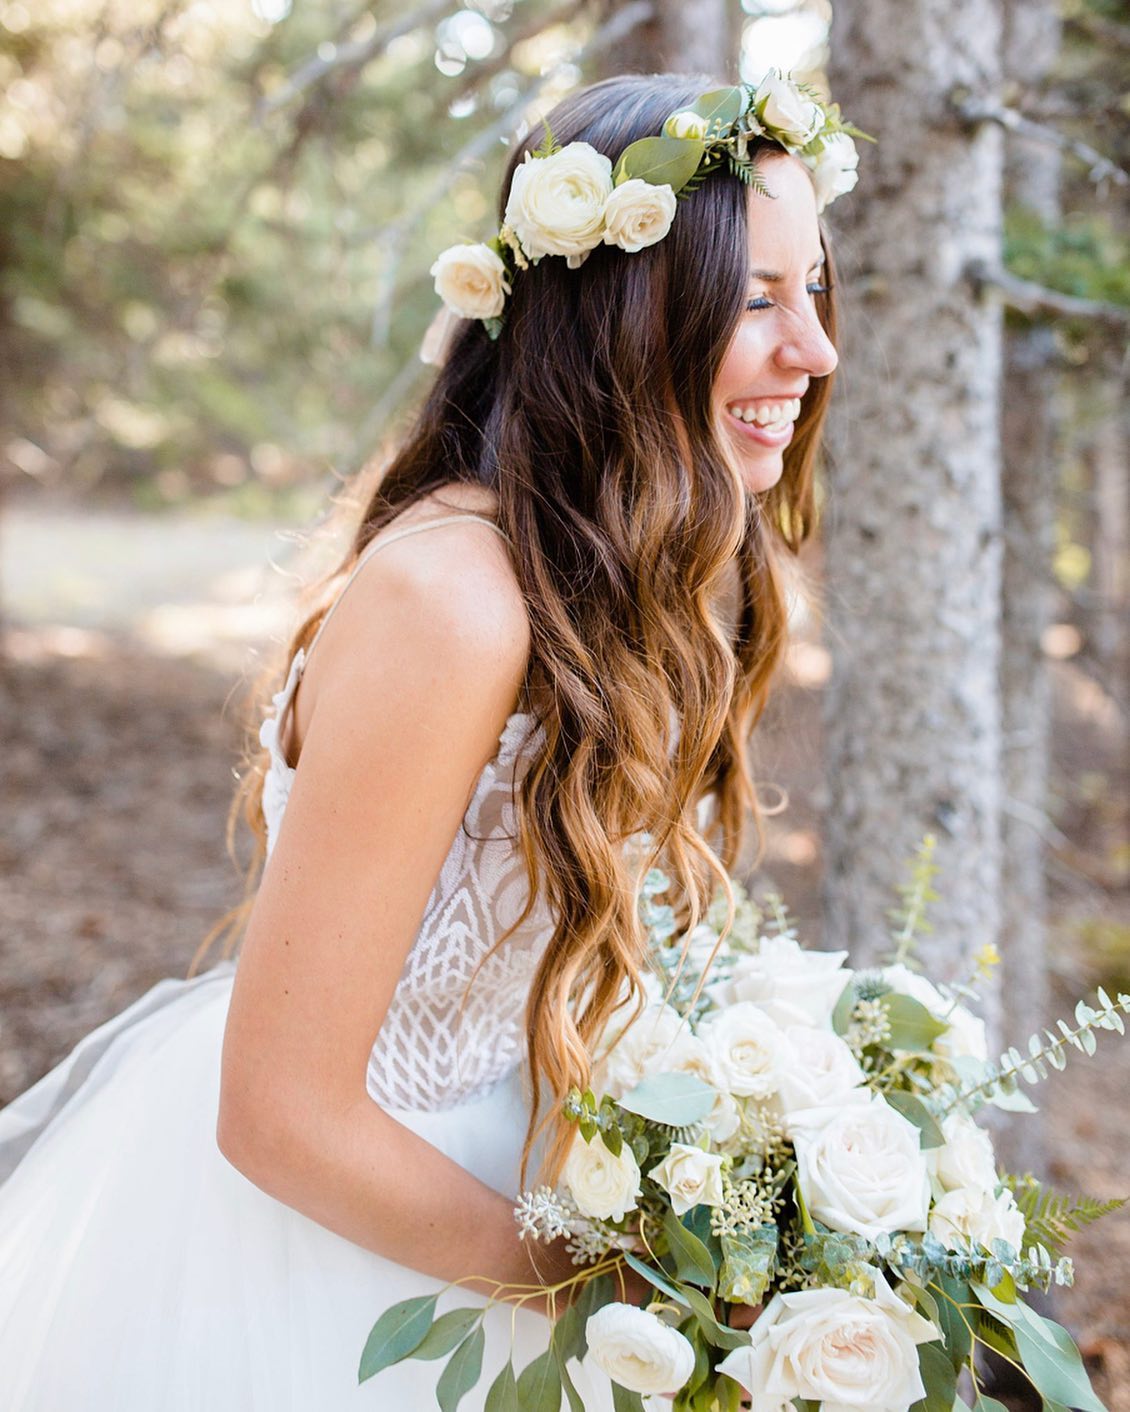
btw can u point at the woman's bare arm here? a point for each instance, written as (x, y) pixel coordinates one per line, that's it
(417, 673)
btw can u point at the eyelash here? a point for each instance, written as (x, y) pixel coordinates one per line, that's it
(761, 302)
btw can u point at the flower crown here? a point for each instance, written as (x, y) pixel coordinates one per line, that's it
(568, 200)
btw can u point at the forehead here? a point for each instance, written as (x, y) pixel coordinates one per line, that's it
(784, 232)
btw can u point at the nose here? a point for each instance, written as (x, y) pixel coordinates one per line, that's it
(808, 347)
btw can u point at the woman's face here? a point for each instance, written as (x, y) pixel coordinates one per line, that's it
(780, 344)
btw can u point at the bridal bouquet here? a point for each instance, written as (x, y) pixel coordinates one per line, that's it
(778, 1131)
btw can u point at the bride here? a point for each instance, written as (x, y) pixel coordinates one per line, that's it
(578, 545)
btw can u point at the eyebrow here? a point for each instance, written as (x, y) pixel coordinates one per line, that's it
(773, 276)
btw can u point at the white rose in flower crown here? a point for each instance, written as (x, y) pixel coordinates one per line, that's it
(471, 281)
(782, 107)
(966, 1037)
(793, 985)
(556, 203)
(685, 123)
(690, 1177)
(966, 1158)
(745, 1045)
(658, 1041)
(637, 1350)
(817, 1069)
(974, 1216)
(834, 171)
(638, 214)
(835, 1348)
(861, 1168)
(603, 1186)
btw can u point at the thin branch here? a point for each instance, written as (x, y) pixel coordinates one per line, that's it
(983, 110)
(352, 55)
(1036, 299)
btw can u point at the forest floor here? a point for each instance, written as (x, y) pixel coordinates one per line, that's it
(116, 777)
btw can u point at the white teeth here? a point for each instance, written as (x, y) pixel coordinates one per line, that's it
(775, 414)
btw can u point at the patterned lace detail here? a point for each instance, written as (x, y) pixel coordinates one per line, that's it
(440, 1044)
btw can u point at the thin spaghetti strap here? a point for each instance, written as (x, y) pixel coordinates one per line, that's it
(379, 543)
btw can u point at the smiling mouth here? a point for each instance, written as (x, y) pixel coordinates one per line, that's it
(775, 437)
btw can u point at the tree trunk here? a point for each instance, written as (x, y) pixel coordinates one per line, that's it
(679, 38)
(1029, 489)
(912, 519)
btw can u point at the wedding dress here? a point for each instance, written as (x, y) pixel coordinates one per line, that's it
(141, 1272)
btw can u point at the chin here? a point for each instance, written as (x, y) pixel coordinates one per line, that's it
(761, 474)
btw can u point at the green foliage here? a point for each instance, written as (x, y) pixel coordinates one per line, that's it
(659, 160)
(676, 1100)
(396, 1333)
(1051, 1217)
(1087, 255)
(749, 1259)
(909, 919)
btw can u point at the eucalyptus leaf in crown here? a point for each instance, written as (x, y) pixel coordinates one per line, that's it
(779, 1131)
(568, 200)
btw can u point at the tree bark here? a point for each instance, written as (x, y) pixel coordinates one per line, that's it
(912, 517)
(679, 38)
(1029, 488)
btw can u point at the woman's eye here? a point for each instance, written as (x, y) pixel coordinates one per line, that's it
(761, 302)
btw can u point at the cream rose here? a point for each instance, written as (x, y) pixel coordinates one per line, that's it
(690, 1177)
(471, 281)
(974, 1216)
(835, 170)
(861, 1168)
(782, 107)
(966, 1037)
(685, 123)
(835, 1348)
(638, 214)
(637, 1350)
(659, 1040)
(966, 1158)
(556, 203)
(794, 986)
(744, 1045)
(603, 1186)
(817, 1069)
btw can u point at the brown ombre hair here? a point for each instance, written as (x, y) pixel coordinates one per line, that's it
(591, 419)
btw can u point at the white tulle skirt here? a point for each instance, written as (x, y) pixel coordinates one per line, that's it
(140, 1272)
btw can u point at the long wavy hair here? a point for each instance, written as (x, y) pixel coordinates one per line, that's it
(591, 419)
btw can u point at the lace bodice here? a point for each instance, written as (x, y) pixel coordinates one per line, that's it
(430, 1053)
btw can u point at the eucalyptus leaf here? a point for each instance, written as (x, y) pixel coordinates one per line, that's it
(722, 107)
(654, 1277)
(1049, 1356)
(396, 1333)
(930, 1134)
(462, 1371)
(660, 160)
(692, 1259)
(503, 1393)
(572, 1396)
(748, 1258)
(939, 1378)
(448, 1331)
(951, 1294)
(539, 1385)
(718, 1334)
(913, 1028)
(625, 1401)
(675, 1100)
(841, 1015)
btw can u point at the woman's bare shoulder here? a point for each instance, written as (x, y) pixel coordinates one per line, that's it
(449, 594)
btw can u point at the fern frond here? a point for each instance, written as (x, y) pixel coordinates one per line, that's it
(747, 171)
(910, 918)
(1050, 1216)
(549, 143)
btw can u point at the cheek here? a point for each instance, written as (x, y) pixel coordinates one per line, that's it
(745, 358)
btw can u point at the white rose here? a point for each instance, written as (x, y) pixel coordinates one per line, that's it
(966, 1158)
(795, 986)
(637, 1350)
(638, 214)
(744, 1045)
(966, 1037)
(835, 1348)
(684, 123)
(690, 1177)
(782, 107)
(817, 1069)
(861, 1168)
(603, 1186)
(835, 170)
(471, 281)
(652, 1044)
(974, 1216)
(556, 203)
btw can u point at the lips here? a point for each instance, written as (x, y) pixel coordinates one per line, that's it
(760, 436)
